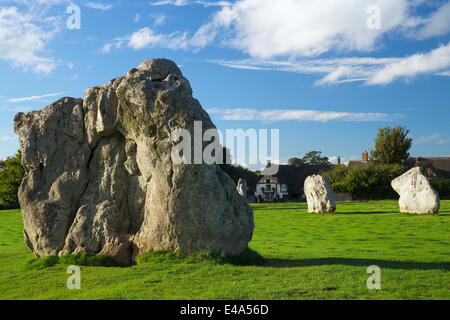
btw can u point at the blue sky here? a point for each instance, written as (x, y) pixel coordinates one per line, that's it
(326, 73)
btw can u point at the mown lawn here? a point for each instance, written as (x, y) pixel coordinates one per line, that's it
(308, 256)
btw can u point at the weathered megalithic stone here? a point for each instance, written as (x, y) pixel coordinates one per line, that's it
(100, 177)
(416, 193)
(319, 195)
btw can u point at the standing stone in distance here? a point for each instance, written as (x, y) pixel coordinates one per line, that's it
(242, 188)
(319, 195)
(416, 193)
(100, 177)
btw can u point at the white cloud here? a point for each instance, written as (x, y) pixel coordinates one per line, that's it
(303, 28)
(171, 2)
(146, 37)
(444, 73)
(107, 47)
(24, 36)
(159, 19)
(214, 3)
(421, 63)
(149, 38)
(99, 6)
(333, 71)
(31, 98)
(289, 35)
(438, 23)
(7, 138)
(371, 71)
(17, 108)
(137, 18)
(276, 115)
(433, 139)
(180, 3)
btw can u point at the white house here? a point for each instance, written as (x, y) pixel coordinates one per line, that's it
(287, 183)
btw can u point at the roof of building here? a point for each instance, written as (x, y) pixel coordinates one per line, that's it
(357, 164)
(439, 165)
(294, 176)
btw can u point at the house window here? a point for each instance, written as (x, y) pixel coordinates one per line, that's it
(267, 180)
(284, 188)
(268, 187)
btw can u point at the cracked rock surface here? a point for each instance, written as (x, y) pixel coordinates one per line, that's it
(100, 178)
(416, 193)
(319, 195)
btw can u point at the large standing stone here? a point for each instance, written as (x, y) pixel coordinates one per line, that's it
(416, 193)
(100, 177)
(319, 195)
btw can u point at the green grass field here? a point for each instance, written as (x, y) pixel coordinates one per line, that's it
(308, 256)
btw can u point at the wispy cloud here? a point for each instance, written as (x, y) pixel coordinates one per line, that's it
(159, 19)
(371, 71)
(99, 6)
(149, 38)
(433, 139)
(332, 71)
(181, 3)
(7, 138)
(445, 73)
(276, 115)
(417, 64)
(24, 34)
(31, 98)
(438, 23)
(273, 34)
(17, 108)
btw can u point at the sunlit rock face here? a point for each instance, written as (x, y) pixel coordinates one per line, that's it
(416, 193)
(100, 177)
(319, 195)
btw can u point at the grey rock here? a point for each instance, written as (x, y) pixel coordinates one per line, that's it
(416, 193)
(319, 195)
(100, 178)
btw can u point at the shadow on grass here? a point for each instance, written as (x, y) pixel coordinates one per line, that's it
(81, 259)
(277, 208)
(367, 212)
(248, 257)
(405, 265)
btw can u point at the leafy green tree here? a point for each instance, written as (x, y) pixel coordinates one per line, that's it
(391, 145)
(11, 175)
(336, 174)
(315, 158)
(295, 161)
(368, 182)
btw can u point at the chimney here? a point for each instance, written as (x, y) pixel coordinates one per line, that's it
(418, 162)
(365, 156)
(339, 161)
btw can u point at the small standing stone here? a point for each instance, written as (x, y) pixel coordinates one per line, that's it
(319, 195)
(242, 188)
